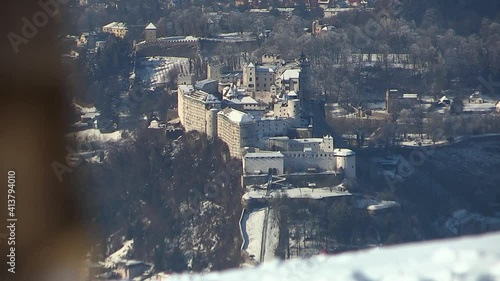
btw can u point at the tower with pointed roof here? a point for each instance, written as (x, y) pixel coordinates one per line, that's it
(249, 76)
(150, 33)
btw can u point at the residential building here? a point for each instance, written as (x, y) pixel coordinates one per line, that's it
(395, 100)
(258, 77)
(324, 3)
(132, 269)
(476, 98)
(316, 27)
(290, 80)
(119, 29)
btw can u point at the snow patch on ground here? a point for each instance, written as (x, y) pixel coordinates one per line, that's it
(154, 70)
(84, 110)
(120, 255)
(272, 238)
(95, 135)
(253, 227)
(300, 192)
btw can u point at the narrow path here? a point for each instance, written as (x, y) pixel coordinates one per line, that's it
(264, 237)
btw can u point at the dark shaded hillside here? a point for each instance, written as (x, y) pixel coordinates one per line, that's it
(179, 201)
(462, 15)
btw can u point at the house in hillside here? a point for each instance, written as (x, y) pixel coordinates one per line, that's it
(89, 117)
(324, 4)
(444, 101)
(119, 29)
(395, 100)
(476, 98)
(131, 269)
(317, 28)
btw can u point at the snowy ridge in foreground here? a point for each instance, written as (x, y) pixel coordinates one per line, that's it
(473, 258)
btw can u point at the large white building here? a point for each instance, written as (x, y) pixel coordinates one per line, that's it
(239, 120)
(236, 129)
(302, 155)
(194, 109)
(258, 77)
(264, 162)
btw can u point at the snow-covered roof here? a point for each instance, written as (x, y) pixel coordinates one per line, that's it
(264, 154)
(383, 205)
(242, 100)
(475, 95)
(302, 192)
(201, 96)
(200, 84)
(307, 140)
(290, 74)
(292, 95)
(343, 152)
(410, 96)
(264, 69)
(251, 65)
(236, 116)
(151, 26)
(444, 98)
(120, 255)
(117, 25)
(90, 115)
(186, 88)
(154, 124)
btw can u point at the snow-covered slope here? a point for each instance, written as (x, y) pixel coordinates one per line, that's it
(472, 258)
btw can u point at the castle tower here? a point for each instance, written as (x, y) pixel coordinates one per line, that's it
(390, 96)
(346, 161)
(212, 123)
(316, 27)
(213, 71)
(304, 78)
(294, 112)
(327, 145)
(249, 76)
(150, 33)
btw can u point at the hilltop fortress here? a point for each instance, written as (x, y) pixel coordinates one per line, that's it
(263, 132)
(186, 46)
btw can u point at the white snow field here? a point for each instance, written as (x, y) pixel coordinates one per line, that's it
(253, 227)
(471, 258)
